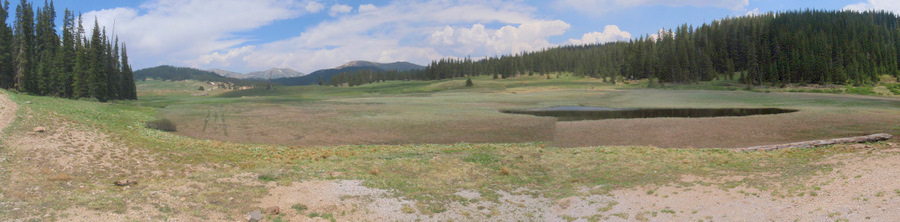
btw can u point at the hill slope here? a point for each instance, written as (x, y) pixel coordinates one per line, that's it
(395, 66)
(275, 73)
(326, 74)
(171, 73)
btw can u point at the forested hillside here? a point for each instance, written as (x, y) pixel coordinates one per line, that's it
(357, 73)
(171, 73)
(35, 59)
(815, 47)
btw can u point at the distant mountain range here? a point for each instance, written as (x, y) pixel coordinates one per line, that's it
(282, 76)
(326, 74)
(172, 73)
(275, 73)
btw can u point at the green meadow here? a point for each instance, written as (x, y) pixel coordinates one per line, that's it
(423, 140)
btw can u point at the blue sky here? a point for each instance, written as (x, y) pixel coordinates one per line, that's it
(308, 35)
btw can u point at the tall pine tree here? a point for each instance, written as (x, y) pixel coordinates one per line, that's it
(7, 67)
(24, 48)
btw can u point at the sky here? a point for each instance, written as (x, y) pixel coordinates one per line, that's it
(307, 35)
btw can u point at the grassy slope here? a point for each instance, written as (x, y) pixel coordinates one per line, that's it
(427, 173)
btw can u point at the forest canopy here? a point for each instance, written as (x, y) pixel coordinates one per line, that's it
(35, 59)
(794, 47)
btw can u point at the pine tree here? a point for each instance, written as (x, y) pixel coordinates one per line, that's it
(7, 68)
(24, 48)
(66, 56)
(47, 43)
(81, 74)
(99, 82)
(469, 82)
(128, 87)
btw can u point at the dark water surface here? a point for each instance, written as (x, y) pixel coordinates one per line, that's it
(578, 113)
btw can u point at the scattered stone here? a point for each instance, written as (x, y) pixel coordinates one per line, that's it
(27, 102)
(254, 216)
(125, 182)
(273, 210)
(565, 203)
(39, 129)
(860, 146)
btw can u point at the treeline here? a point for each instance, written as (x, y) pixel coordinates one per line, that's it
(171, 73)
(366, 76)
(805, 47)
(35, 59)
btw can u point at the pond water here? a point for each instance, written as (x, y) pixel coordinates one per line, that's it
(578, 113)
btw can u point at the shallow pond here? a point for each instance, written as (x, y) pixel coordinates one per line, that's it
(578, 113)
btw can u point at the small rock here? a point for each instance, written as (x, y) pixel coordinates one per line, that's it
(39, 129)
(27, 102)
(273, 210)
(254, 216)
(125, 182)
(859, 146)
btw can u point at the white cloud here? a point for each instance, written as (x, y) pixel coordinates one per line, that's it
(610, 33)
(414, 31)
(339, 9)
(314, 7)
(478, 40)
(224, 59)
(180, 30)
(887, 5)
(601, 6)
(755, 11)
(367, 8)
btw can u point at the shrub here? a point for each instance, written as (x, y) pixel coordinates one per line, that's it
(161, 124)
(469, 82)
(299, 207)
(200, 89)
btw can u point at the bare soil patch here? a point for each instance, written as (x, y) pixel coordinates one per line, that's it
(7, 111)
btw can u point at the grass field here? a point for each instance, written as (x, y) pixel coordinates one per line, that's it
(423, 141)
(446, 112)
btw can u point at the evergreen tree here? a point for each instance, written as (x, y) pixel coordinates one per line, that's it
(81, 73)
(99, 82)
(7, 68)
(128, 87)
(66, 56)
(24, 48)
(469, 82)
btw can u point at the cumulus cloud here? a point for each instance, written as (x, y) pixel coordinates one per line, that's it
(367, 8)
(314, 7)
(755, 11)
(478, 40)
(179, 30)
(887, 5)
(223, 59)
(415, 31)
(610, 33)
(339, 9)
(600, 6)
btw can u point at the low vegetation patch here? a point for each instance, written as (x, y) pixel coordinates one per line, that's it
(161, 124)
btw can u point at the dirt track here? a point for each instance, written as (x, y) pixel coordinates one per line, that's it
(7, 111)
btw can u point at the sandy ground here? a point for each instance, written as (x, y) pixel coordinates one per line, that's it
(864, 186)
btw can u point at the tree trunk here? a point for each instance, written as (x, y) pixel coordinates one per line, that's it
(816, 143)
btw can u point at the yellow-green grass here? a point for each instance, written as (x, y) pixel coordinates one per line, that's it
(428, 173)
